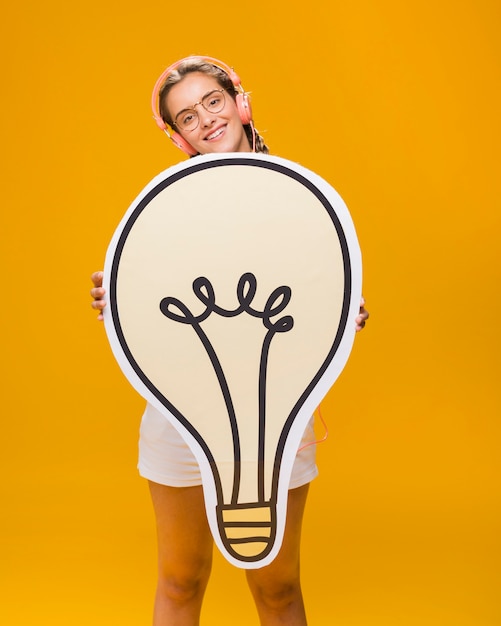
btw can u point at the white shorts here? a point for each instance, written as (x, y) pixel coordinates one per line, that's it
(166, 459)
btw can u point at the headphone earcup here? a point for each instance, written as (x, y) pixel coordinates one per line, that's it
(183, 145)
(244, 108)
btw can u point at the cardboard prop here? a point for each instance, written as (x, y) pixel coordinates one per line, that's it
(233, 283)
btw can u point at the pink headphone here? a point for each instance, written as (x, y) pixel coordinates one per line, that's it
(242, 101)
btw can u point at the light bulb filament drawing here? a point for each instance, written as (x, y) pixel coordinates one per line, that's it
(236, 518)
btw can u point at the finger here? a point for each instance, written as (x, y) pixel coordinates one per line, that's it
(360, 325)
(97, 279)
(361, 319)
(97, 293)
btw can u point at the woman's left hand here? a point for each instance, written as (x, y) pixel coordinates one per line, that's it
(362, 317)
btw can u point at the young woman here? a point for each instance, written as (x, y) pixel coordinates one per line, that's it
(200, 100)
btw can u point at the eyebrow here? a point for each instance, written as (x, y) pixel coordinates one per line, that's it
(191, 108)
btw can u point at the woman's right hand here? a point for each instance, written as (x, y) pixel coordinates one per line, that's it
(98, 293)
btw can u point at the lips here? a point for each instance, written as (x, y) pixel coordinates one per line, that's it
(215, 134)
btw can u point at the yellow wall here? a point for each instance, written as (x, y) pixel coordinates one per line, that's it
(397, 105)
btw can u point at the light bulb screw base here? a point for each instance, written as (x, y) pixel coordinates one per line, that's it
(247, 530)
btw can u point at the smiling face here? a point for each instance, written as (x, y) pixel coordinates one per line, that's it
(216, 132)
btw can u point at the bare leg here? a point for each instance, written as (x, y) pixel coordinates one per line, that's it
(184, 554)
(277, 588)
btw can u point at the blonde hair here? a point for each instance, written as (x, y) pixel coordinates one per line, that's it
(199, 64)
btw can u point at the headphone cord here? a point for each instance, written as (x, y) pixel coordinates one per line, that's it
(326, 434)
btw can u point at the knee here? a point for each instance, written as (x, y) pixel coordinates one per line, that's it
(184, 587)
(275, 594)
(180, 590)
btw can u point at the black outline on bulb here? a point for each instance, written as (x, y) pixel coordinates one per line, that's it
(194, 167)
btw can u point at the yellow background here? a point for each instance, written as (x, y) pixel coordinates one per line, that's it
(397, 105)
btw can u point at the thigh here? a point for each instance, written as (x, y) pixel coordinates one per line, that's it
(184, 538)
(284, 569)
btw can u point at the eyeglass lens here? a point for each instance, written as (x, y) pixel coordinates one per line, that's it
(213, 102)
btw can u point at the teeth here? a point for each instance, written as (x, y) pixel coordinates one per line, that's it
(216, 134)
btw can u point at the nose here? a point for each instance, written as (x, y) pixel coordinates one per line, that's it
(206, 117)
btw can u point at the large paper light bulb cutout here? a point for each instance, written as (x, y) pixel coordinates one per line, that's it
(233, 284)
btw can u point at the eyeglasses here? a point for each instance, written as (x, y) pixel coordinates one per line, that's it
(213, 102)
